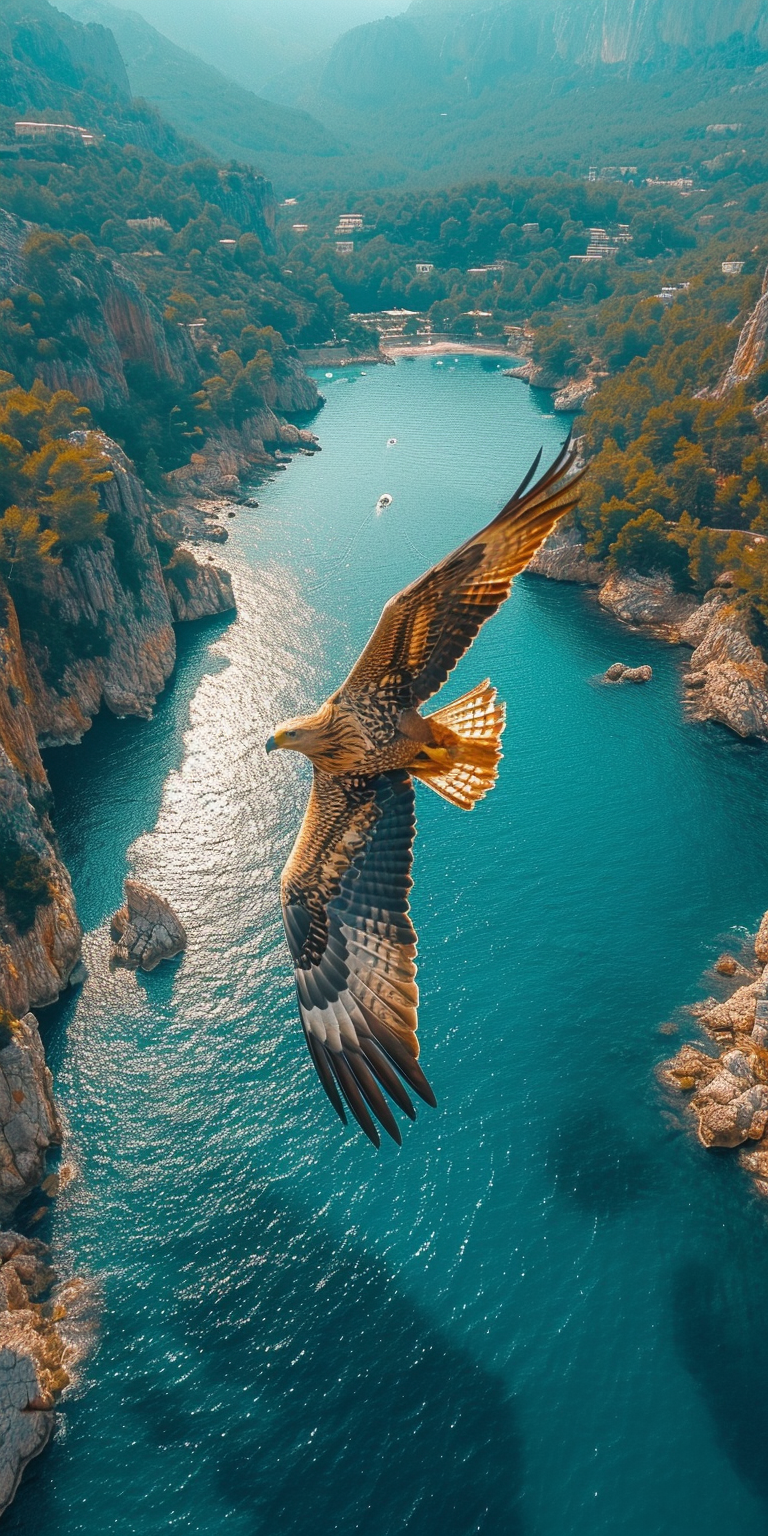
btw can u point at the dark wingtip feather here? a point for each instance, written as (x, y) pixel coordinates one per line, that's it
(527, 478)
(320, 1060)
(353, 1096)
(383, 1069)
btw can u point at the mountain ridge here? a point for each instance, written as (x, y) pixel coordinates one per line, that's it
(203, 103)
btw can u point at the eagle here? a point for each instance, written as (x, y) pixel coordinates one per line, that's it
(344, 890)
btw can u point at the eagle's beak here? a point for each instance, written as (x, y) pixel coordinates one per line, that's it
(271, 745)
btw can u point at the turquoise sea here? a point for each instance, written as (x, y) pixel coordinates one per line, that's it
(545, 1315)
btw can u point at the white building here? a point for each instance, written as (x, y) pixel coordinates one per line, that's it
(150, 223)
(733, 268)
(423, 267)
(30, 130)
(345, 247)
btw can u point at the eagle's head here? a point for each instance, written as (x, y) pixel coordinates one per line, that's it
(331, 738)
(304, 734)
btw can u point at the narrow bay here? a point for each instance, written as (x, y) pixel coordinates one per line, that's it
(540, 1316)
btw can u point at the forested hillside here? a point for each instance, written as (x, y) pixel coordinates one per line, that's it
(498, 252)
(143, 235)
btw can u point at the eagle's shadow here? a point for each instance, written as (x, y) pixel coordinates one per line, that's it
(367, 1418)
(371, 1420)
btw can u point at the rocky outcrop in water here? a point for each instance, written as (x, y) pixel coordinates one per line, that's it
(562, 557)
(727, 678)
(33, 1357)
(574, 396)
(729, 1091)
(197, 589)
(619, 673)
(145, 930)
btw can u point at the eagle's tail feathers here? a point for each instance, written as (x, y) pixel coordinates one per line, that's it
(466, 769)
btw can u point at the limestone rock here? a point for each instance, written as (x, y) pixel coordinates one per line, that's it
(146, 930)
(615, 672)
(575, 395)
(32, 1359)
(726, 966)
(751, 351)
(756, 1162)
(761, 942)
(730, 1121)
(231, 455)
(647, 602)
(729, 674)
(562, 557)
(689, 1068)
(197, 589)
(29, 1124)
(736, 1014)
(641, 674)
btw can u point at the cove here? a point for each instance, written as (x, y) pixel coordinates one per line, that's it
(542, 1315)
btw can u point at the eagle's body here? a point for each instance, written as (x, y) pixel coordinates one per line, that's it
(345, 887)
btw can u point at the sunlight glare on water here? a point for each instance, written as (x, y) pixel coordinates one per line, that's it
(541, 1315)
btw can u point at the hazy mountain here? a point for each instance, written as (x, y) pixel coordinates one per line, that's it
(253, 40)
(38, 45)
(453, 88)
(439, 40)
(200, 101)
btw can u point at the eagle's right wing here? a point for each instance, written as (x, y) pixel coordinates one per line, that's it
(344, 894)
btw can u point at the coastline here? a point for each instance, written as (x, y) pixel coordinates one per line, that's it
(391, 349)
(444, 348)
(727, 678)
(729, 1091)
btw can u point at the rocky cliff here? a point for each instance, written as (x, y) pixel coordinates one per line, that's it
(231, 453)
(752, 349)
(729, 1090)
(112, 597)
(484, 43)
(33, 1356)
(108, 321)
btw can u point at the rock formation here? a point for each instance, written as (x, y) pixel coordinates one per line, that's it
(29, 1124)
(729, 1091)
(574, 396)
(562, 557)
(646, 602)
(230, 454)
(727, 680)
(618, 673)
(33, 1357)
(197, 589)
(145, 930)
(751, 351)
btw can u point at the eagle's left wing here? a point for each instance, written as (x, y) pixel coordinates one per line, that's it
(425, 629)
(344, 894)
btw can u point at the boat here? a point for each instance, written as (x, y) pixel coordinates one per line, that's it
(329, 375)
(391, 442)
(382, 504)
